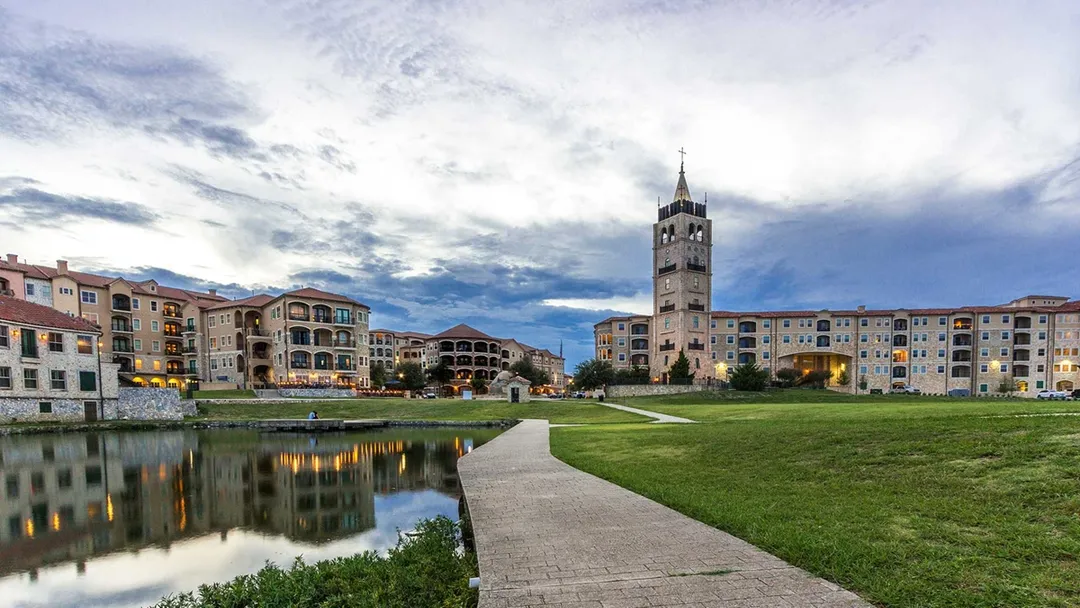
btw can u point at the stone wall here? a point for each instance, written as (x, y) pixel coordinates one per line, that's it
(645, 390)
(150, 404)
(318, 393)
(63, 410)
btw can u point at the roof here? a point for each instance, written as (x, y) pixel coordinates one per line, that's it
(519, 380)
(15, 310)
(103, 282)
(318, 294)
(463, 331)
(257, 301)
(896, 311)
(682, 191)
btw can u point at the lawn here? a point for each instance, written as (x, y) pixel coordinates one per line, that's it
(227, 394)
(423, 409)
(907, 501)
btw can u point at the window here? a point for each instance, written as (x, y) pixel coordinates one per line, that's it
(915, 321)
(984, 335)
(153, 305)
(983, 388)
(765, 339)
(766, 323)
(88, 297)
(136, 324)
(697, 282)
(730, 354)
(622, 327)
(44, 407)
(1039, 384)
(136, 345)
(1004, 351)
(1004, 367)
(787, 322)
(58, 380)
(864, 337)
(622, 356)
(787, 339)
(986, 319)
(213, 342)
(731, 339)
(765, 355)
(667, 323)
(802, 339)
(1005, 335)
(667, 283)
(622, 341)
(1004, 318)
(154, 327)
(942, 320)
(984, 352)
(67, 291)
(1042, 319)
(712, 339)
(5, 340)
(864, 322)
(1042, 335)
(1040, 368)
(135, 303)
(84, 345)
(30, 378)
(87, 381)
(941, 337)
(210, 321)
(941, 352)
(5, 377)
(941, 369)
(213, 363)
(157, 366)
(984, 368)
(863, 354)
(694, 321)
(138, 363)
(712, 324)
(731, 322)
(864, 369)
(29, 289)
(56, 342)
(155, 346)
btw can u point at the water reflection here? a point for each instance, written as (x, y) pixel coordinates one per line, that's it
(153, 510)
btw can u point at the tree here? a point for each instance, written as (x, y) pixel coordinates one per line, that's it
(1007, 386)
(412, 376)
(863, 383)
(536, 376)
(788, 376)
(478, 384)
(748, 377)
(378, 375)
(637, 374)
(441, 374)
(679, 372)
(843, 378)
(592, 374)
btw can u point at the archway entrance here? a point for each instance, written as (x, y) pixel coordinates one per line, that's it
(1064, 385)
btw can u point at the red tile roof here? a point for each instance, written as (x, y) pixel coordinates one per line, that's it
(463, 331)
(15, 310)
(318, 294)
(257, 301)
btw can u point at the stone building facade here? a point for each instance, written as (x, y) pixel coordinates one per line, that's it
(50, 366)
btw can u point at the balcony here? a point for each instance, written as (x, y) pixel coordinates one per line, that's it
(961, 371)
(121, 303)
(1020, 371)
(189, 328)
(962, 325)
(667, 347)
(639, 344)
(122, 347)
(747, 327)
(174, 370)
(1021, 354)
(189, 350)
(120, 327)
(823, 342)
(667, 269)
(1022, 323)
(639, 330)
(174, 352)
(963, 340)
(697, 307)
(1022, 339)
(346, 343)
(696, 267)
(747, 342)
(667, 308)
(899, 325)
(300, 365)
(961, 356)
(899, 372)
(323, 318)
(696, 346)
(899, 341)
(295, 316)
(171, 312)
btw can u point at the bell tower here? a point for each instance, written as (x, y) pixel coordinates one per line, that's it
(682, 283)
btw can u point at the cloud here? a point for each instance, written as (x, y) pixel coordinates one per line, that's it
(34, 206)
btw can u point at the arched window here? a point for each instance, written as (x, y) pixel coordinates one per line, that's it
(671, 230)
(690, 232)
(663, 236)
(700, 234)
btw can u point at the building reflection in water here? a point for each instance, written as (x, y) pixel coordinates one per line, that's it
(68, 498)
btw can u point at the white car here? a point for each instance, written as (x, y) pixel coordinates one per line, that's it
(1054, 395)
(906, 389)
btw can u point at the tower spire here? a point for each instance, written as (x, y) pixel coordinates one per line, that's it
(682, 191)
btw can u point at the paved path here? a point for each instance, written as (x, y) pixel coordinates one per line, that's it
(547, 533)
(657, 417)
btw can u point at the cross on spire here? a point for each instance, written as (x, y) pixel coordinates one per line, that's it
(682, 159)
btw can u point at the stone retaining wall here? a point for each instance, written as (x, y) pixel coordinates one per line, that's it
(647, 390)
(150, 404)
(317, 393)
(63, 410)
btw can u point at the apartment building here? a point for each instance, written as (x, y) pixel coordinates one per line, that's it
(473, 354)
(164, 336)
(49, 365)
(391, 348)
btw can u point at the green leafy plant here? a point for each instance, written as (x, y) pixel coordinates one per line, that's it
(525, 368)
(843, 378)
(411, 375)
(635, 375)
(748, 377)
(479, 385)
(788, 376)
(592, 374)
(441, 374)
(679, 372)
(378, 375)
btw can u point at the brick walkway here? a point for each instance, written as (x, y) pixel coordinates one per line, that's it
(547, 533)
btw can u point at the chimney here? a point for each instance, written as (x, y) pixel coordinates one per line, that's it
(61, 266)
(213, 292)
(12, 258)
(862, 308)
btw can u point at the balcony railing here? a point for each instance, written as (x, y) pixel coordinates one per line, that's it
(189, 328)
(667, 269)
(697, 307)
(301, 365)
(696, 267)
(323, 318)
(172, 313)
(122, 348)
(121, 306)
(255, 331)
(666, 347)
(189, 350)
(696, 346)
(298, 317)
(121, 327)
(347, 343)
(176, 352)
(173, 332)
(667, 308)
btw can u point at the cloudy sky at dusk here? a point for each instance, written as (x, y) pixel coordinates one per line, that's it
(498, 163)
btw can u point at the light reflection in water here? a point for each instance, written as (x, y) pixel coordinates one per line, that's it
(120, 519)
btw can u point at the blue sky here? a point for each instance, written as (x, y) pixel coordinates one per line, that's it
(498, 163)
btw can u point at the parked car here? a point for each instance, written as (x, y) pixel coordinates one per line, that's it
(579, 394)
(555, 396)
(905, 390)
(429, 393)
(1054, 395)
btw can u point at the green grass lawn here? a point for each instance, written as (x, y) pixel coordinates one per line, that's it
(571, 411)
(227, 394)
(909, 502)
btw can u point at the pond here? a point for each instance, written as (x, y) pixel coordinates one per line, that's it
(123, 518)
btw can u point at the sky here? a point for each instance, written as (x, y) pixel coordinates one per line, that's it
(498, 163)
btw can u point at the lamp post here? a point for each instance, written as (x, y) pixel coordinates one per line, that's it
(100, 381)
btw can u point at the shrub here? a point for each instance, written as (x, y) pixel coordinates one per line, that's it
(748, 377)
(816, 378)
(424, 569)
(788, 376)
(843, 379)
